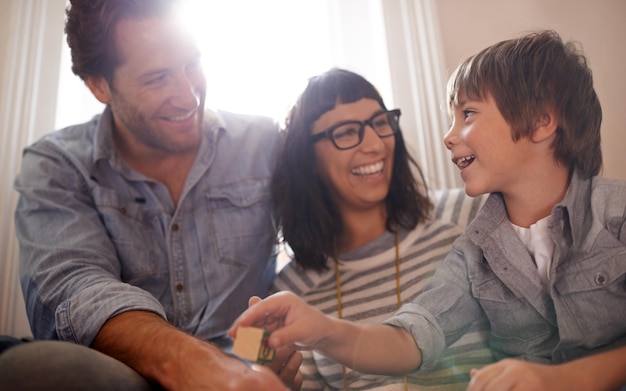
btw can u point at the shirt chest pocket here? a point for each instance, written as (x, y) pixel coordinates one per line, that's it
(593, 290)
(241, 222)
(515, 324)
(135, 231)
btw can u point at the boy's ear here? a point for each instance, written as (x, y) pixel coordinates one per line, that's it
(100, 88)
(545, 126)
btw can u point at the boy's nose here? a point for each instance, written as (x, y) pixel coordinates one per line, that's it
(450, 138)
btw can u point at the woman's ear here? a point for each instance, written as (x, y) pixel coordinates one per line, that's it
(99, 87)
(546, 125)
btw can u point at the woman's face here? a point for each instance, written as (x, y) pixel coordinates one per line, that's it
(357, 178)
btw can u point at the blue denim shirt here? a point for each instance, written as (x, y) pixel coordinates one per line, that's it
(490, 273)
(97, 238)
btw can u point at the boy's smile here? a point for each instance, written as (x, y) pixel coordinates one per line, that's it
(464, 161)
(483, 148)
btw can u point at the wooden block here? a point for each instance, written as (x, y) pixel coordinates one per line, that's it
(251, 344)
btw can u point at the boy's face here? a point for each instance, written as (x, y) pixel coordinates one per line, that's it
(483, 149)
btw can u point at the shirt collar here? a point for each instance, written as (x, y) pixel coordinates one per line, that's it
(103, 144)
(104, 147)
(570, 213)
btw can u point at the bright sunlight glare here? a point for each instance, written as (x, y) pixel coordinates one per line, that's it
(258, 55)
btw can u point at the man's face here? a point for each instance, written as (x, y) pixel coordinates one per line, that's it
(157, 93)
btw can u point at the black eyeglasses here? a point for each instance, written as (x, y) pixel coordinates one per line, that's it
(349, 134)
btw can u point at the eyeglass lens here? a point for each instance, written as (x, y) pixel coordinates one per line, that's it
(350, 134)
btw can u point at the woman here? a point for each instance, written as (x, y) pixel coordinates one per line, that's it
(363, 231)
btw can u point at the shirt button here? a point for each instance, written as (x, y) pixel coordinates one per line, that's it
(123, 211)
(508, 295)
(175, 227)
(600, 279)
(179, 287)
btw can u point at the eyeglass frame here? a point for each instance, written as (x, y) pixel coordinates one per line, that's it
(328, 133)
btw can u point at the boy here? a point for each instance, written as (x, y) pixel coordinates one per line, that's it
(545, 258)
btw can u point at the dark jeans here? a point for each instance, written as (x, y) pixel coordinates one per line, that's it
(55, 365)
(7, 342)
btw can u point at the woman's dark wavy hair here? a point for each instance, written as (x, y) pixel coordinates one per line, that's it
(90, 28)
(308, 218)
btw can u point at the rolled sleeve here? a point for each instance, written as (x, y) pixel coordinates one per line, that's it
(80, 318)
(425, 330)
(70, 272)
(446, 308)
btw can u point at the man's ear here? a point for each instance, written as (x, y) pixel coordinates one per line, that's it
(100, 88)
(546, 125)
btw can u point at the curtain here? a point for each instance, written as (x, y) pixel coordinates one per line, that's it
(418, 82)
(31, 46)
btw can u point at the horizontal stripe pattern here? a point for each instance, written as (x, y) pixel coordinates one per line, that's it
(369, 296)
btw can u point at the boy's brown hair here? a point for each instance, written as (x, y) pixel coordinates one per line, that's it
(529, 75)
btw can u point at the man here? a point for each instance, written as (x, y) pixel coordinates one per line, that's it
(144, 231)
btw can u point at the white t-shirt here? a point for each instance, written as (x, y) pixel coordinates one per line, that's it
(539, 244)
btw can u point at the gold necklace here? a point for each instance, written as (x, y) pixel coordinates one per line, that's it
(398, 295)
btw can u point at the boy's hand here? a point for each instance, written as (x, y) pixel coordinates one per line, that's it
(378, 348)
(602, 371)
(287, 362)
(294, 324)
(514, 375)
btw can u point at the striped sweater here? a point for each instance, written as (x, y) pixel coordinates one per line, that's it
(368, 285)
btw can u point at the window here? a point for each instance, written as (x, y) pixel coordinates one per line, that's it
(75, 103)
(258, 55)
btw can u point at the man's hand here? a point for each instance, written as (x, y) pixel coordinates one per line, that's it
(176, 360)
(286, 365)
(225, 373)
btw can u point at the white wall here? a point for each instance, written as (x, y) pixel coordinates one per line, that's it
(599, 26)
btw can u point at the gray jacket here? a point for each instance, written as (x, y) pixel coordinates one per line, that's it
(490, 273)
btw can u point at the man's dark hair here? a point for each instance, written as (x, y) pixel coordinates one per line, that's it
(90, 27)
